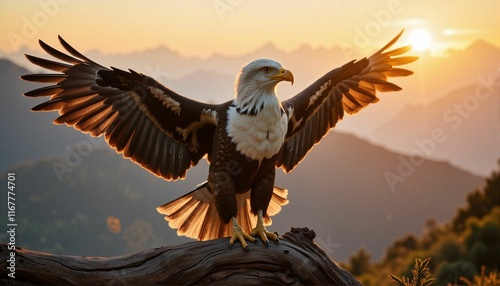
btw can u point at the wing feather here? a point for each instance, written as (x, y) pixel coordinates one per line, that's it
(138, 116)
(350, 88)
(88, 121)
(48, 64)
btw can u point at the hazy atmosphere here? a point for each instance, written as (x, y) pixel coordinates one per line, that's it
(378, 176)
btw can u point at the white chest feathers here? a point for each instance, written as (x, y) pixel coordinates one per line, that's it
(257, 136)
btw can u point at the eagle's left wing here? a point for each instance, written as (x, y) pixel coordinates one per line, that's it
(315, 110)
(162, 131)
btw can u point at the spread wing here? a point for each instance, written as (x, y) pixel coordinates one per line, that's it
(315, 110)
(155, 127)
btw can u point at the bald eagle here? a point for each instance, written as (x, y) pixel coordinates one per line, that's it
(244, 139)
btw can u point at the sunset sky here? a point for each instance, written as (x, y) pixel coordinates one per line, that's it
(234, 27)
(452, 94)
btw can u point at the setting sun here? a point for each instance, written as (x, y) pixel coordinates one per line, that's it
(420, 39)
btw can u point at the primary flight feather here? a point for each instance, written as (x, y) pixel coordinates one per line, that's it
(244, 139)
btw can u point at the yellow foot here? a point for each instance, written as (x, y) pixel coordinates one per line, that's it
(265, 235)
(239, 234)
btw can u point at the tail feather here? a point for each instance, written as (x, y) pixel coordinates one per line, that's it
(194, 215)
(278, 200)
(211, 225)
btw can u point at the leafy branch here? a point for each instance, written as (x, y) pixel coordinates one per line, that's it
(421, 275)
(492, 279)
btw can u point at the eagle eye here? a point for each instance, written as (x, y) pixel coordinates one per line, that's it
(267, 69)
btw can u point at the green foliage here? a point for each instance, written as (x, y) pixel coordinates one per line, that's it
(447, 248)
(421, 275)
(482, 240)
(479, 203)
(401, 247)
(450, 272)
(492, 279)
(359, 262)
(460, 249)
(463, 254)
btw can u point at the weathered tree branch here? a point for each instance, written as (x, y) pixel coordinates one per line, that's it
(296, 261)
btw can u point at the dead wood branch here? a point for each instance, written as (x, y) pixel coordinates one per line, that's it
(297, 260)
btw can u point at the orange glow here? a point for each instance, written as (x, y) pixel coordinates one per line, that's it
(420, 39)
(114, 224)
(236, 27)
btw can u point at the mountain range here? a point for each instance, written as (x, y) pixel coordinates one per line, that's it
(27, 135)
(94, 202)
(349, 189)
(469, 119)
(211, 79)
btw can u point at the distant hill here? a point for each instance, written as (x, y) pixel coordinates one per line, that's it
(218, 93)
(27, 135)
(434, 76)
(344, 190)
(469, 119)
(340, 190)
(105, 205)
(211, 79)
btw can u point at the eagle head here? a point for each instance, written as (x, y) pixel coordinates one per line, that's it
(257, 80)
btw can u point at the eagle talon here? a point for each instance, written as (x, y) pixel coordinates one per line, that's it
(241, 236)
(264, 235)
(262, 232)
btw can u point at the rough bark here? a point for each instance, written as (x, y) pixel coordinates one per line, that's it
(297, 260)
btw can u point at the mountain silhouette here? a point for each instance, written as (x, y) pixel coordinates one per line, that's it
(94, 202)
(469, 119)
(27, 135)
(351, 192)
(211, 79)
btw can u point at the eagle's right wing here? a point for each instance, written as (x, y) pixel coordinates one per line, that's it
(155, 127)
(318, 108)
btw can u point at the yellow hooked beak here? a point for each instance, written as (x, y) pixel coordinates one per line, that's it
(283, 74)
